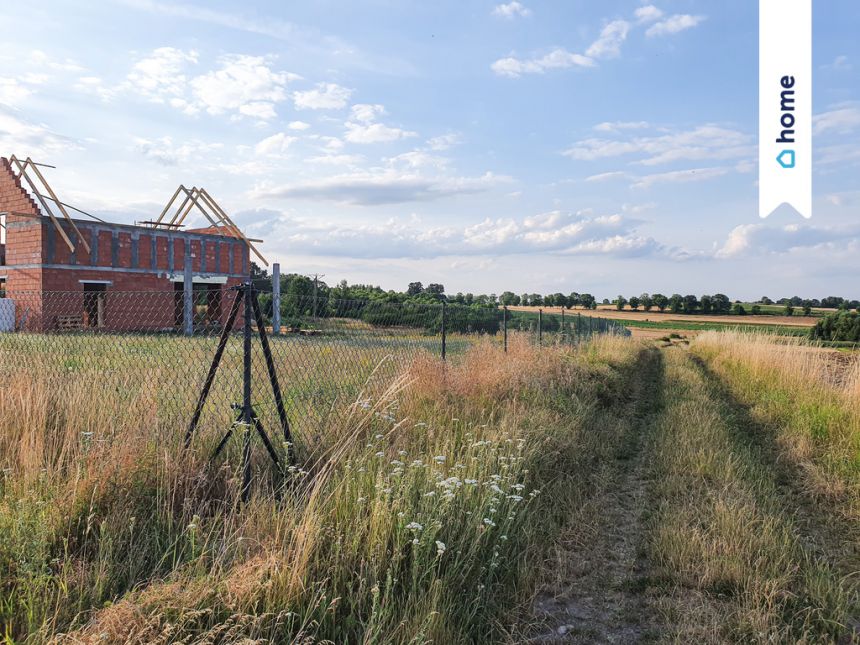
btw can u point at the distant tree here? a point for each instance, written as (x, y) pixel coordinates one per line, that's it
(634, 302)
(415, 289)
(435, 290)
(587, 300)
(647, 301)
(560, 300)
(691, 303)
(676, 303)
(660, 301)
(766, 301)
(738, 309)
(507, 298)
(525, 301)
(620, 301)
(606, 301)
(536, 300)
(756, 310)
(549, 300)
(720, 303)
(707, 305)
(260, 278)
(789, 310)
(460, 299)
(807, 308)
(470, 298)
(574, 299)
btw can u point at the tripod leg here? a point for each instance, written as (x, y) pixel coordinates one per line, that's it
(210, 377)
(273, 376)
(266, 442)
(226, 437)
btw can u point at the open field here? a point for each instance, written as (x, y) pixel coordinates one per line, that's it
(612, 313)
(610, 491)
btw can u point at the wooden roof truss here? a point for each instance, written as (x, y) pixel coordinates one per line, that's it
(28, 171)
(185, 200)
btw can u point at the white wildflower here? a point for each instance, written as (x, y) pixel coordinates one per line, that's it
(414, 526)
(489, 522)
(440, 548)
(439, 459)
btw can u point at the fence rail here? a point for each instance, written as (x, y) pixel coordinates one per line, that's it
(134, 348)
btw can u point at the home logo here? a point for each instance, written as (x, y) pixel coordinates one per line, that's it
(785, 105)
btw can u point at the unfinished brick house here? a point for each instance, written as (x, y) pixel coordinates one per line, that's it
(67, 273)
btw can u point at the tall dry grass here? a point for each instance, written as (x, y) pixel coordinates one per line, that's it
(808, 396)
(414, 515)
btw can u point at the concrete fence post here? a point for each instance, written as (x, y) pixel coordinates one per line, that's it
(276, 298)
(188, 296)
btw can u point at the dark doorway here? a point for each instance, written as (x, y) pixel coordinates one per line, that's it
(94, 305)
(207, 304)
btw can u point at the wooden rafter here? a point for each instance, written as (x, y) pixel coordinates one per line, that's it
(22, 174)
(204, 202)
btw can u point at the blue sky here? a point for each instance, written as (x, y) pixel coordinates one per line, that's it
(528, 146)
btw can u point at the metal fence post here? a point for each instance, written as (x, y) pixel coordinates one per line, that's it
(540, 327)
(188, 296)
(247, 418)
(562, 324)
(505, 326)
(443, 330)
(276, 298)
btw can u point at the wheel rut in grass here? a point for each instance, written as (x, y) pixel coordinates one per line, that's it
(824, 534)
(598, 593)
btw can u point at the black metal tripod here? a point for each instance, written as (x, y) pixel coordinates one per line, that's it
(247, 416)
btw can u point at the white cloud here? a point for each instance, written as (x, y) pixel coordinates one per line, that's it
(705, 142)
(445, 141)
(164, 151)
(25, 138)
(680, 176)
(276, 144)
(674, 24)
(511, 10)
(615, 126)
(648, 13)
(749, 239)
(244, 84)
(363, 129)
(558, 58)
(12, 92)
(326, 96)
(842, 119)
(41, 59)
(368, 188)
(365, 112)
(608, 45)
(606, 176)
(554, 233)
(375, 133)
(161, 74)
(298, 125)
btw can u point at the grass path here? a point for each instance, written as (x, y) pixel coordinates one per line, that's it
(696, 531)
(593, 588)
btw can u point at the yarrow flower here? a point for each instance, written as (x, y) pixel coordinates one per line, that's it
(489, 522)
(439, 459)
(414, 526)
(440, 548)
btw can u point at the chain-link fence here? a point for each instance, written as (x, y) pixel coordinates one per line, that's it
(316, 357)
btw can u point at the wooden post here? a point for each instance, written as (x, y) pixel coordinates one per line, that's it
(276, 298)
(188, 296)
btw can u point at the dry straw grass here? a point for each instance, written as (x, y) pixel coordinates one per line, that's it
(409, 517)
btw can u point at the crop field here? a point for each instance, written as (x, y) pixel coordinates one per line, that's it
(609, 490)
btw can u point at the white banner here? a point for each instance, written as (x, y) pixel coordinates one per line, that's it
(785, 105)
